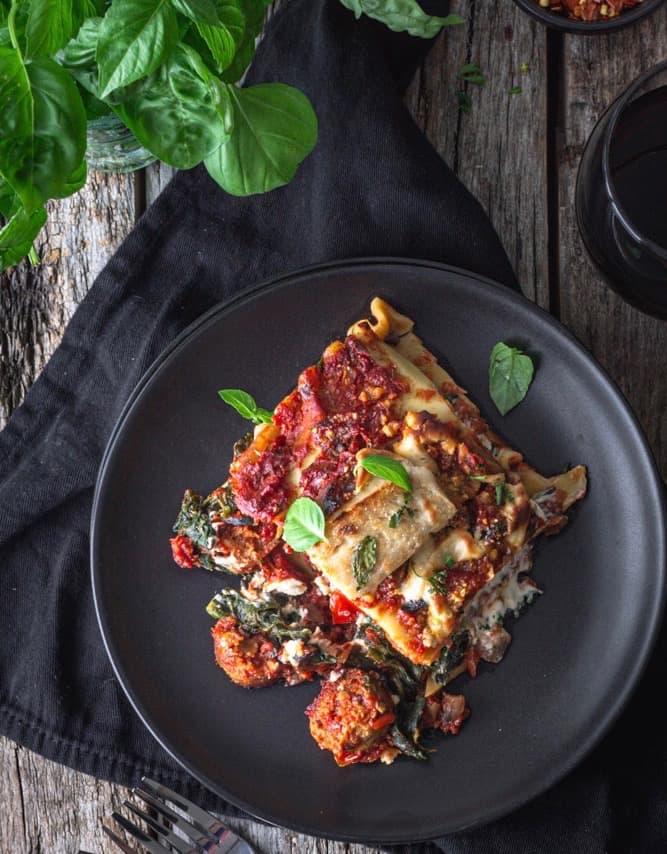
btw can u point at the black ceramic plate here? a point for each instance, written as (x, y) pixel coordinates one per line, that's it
(560, 21)
(577, 652)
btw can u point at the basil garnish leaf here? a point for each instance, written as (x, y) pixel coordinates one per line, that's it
(510, 375)
(245, 405)
(364, 560)
(304, 524)
(387, 468)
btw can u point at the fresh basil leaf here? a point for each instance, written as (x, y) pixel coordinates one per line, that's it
(510, 375)
(221, 24)
(80, 51)
(242, 59)
(82, 10)
(245, 405)
(275, 128)
(221, 42)
(253, 11)
(19, 22)
(17, 236)
(74, 182)
(9, 201)
(199, 11)
(402, 16)
(95, 109)
(304, 524)
(387, 468)
(79, 56)
(49, 27)
(364, 559)
(136, 37)
(181, 113)
(43, 127)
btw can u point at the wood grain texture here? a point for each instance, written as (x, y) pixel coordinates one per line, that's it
(158, 175)
(48, 808)
(36, 303)
(498, 149)
(631, 346)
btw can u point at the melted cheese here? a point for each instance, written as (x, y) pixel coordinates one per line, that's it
(367, 514)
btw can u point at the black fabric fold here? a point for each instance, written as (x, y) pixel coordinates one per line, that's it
(373, 186)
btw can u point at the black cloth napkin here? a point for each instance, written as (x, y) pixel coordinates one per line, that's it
(374, 186)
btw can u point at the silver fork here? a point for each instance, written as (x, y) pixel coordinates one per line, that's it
(204, 831)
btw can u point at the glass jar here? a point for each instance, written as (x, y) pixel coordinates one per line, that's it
(111, 147)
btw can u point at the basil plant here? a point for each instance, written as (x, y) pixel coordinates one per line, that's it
(169, 70)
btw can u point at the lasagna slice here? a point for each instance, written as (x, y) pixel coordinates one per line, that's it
(411, 578)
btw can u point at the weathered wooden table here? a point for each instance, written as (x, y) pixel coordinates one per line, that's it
(518, 153)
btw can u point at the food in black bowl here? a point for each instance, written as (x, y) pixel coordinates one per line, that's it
(588, 16)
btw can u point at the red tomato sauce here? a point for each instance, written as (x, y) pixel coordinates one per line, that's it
(340, 406)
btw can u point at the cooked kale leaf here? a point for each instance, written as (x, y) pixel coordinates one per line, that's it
(193, 520)
(450, 657)
(276, 620)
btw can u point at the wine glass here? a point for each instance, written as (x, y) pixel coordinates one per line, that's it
(621, 193)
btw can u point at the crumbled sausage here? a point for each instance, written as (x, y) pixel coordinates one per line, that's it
(352, 715)
(589, 10)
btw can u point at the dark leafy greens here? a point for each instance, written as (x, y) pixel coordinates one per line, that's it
(404, 680)
(450, 658)
(193, 520)
(275, 619)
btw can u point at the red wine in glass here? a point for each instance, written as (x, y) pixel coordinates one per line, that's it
(621, 194)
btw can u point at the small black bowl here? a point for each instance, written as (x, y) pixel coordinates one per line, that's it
(560, 21)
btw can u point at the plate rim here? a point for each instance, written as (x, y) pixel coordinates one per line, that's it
(650, 636)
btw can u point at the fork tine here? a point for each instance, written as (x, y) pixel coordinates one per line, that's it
(191, 830)
(200, 817)
(179, 844)
(119, 842)
(149, 844)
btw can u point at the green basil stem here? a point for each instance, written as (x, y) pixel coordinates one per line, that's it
(11, 26)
